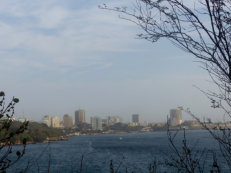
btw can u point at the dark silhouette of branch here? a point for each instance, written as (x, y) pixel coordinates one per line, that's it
(81, 164)
(7, 133)
(184, 159)
(111, 167)
(201, 28)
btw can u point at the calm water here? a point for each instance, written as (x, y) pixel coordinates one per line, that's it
(132, 151)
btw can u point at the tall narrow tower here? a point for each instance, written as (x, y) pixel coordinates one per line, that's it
(67, 121)
(80, 116)
(136, 118)
(175, 117)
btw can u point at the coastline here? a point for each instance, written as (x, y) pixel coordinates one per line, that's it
(66, 137)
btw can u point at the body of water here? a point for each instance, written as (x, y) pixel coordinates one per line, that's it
(131, 151)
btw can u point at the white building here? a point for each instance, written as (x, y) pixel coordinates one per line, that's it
(47, 120)
(96, 123)
(55, 122)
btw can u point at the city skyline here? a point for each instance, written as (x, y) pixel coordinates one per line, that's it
(56, 56)
(175, 116)
(115, 86)
(87, 118)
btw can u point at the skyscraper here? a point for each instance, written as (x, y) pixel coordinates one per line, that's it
(175, 117)
(136, 118)
(67, 121)
(96, 123)
(80, 116)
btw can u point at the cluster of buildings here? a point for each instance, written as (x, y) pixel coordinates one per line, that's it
(80, 118)
(174, 120)
(51, 121)
(97, 122)
(68, 122)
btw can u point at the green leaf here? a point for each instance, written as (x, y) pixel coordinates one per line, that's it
(1, 115)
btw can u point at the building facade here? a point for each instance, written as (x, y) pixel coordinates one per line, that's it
(116, 119)
(96, 123)
(55, 122)
(136, 118)
(175, 117)
(80, 116)
(67, 121)
(47, 120)
(113, 120)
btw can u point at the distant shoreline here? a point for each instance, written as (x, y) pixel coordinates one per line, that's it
(66, 138)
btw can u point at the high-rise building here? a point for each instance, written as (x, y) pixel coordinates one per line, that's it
(96, 123)
(47, 120)
(67, 121)
(175, 117)
(55, 122)
(80, 116)
(136, 118)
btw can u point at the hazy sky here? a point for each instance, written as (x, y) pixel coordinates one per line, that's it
(58, 56)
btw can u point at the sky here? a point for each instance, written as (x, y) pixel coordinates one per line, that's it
(59, 56)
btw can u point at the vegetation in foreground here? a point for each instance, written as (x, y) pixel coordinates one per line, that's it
(8, 157)
(36, 132)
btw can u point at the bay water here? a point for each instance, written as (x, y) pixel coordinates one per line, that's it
(129, 151)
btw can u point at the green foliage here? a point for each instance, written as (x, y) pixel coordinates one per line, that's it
(36, 132)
